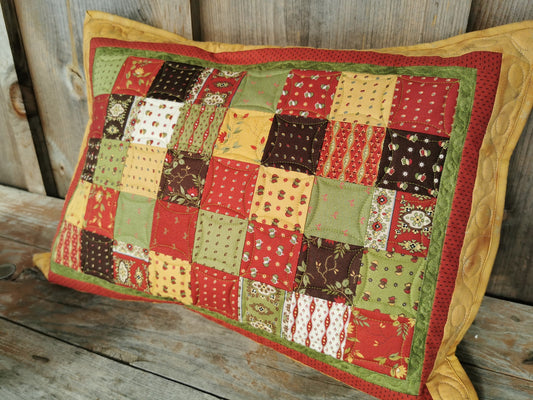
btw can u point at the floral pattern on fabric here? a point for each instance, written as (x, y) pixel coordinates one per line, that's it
(219, 241)
(351, 153)
(183, 178)
(100, 104)
(243, 135)
(91, 158)
(96, 255)
(380, 220)
(424, 104)
(136, 76)
(75, 212)
(101, 209)
(318, 324)
(142, 170)
(131, 272)
(270, 255)
(135, 231)
(339, 211)
(170, 277)
(260, 90)
(328, 270)
(173, 230)
(412, 224)
(390, 283)
(262, 306)
(110, 164)
(174, 81)
(116, 116)
(363, 98)
(229, 187)
(379, 342)
(412, 162)
(294, 143)
(281, 198)
(67, 251)
(130, 250)
(308, 93)
(219, 88)
(215, 290)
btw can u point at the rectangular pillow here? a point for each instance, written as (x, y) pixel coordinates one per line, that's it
(341, 207)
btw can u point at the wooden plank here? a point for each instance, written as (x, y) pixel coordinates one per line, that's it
(167, 340)
(332, 24)
(488, 13)
(17, 253)
(34, 366)
(493, 386)
(52, 35)
(18, 161)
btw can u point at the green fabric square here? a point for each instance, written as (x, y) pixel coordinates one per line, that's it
(390, 283)
(133, 221)
(219, 241)
(339, 211)
(260, 90)
(110, 164)
(105, 70)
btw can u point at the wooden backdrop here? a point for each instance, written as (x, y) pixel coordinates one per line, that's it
(48, 101)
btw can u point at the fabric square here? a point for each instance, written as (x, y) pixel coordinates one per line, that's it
(281, 198)
(110, 164)
(390, 283)
(116, 115)
(105, 70)
(339, 211)
(328, 270)
(219, 241)
(133, 220)
(91, 158)
(271, 255)
(308, 93)
(170, 277)
(262, 306)
(229, 187)
(260, 90)
(412, 224)
(219, 88)
(98, 116)
(67, 250)
(318, 324)
(294, 143)
(380, 220)
(412, 162)
(351, 152)
(197, 129)
(101, 209)
(96, 255)
(130, 250)
(142, 170)
(380, 342)
(173, 230)
(424, 104)
(136, 76)
(75, 212)
(183, 178)
(173, 81)
(363, 98)
(131, 272)
(243, 135)
(215, 290)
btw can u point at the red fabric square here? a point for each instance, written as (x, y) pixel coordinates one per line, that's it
(101, 209)
(173, 229)
(424, 104)
(215, 290)
(98, 118)
(219, 88)
(131, 272)
(270, 255)
(229, 187)
(136, 76)
(67, 251)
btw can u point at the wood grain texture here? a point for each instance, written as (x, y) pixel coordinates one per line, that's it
(488, 13)
(52, 33)
(332, 24)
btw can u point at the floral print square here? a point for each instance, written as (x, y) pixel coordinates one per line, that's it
(424, 104)
(183, 178)
(142, 170)
(67, 250)
(135, 231)
(281, 198)
(379, 342)
(130, 250)
(170, 277)
(351, 152)
(412, 162)
(116, 116)
(219, 88)
(136, 76)
(174, 81)
(270, 255)
(380, 220)
(131, 272)
(308, 93)
(96, 255)
(328, 270)
(173, 229)
(260, 90)
(101, 209)
(110, 165)
(229, 187)
(294, 143)
(91, 158)
(339, 211)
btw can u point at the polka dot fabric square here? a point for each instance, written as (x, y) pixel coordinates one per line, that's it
(174, 81)
(96, 255)
(260, 91)
(142, 170)
(110, 164)
(170, 277)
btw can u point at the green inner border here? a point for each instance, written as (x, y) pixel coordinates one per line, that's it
(467, 79)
